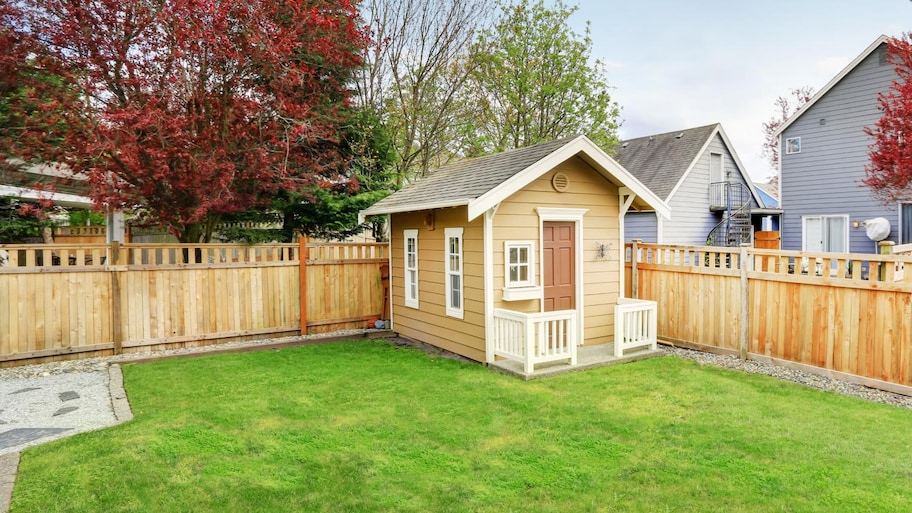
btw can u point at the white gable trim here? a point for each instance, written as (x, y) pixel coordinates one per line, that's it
(731, 150)
(832, 83)
(580, 145)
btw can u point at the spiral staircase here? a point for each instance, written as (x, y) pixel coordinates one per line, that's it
(734, 200)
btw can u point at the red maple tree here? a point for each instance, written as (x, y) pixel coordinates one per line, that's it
(889, 172)
(195, 108)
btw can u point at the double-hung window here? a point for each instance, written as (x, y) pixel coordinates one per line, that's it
(453, 268)
(411, 268)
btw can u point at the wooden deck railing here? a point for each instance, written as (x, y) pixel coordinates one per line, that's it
(533, 338)
(634, 325)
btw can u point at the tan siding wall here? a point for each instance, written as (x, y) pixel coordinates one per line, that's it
(517, 219)
(429, 322)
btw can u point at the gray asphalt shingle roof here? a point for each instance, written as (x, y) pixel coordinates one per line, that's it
(464, 180)
(659, 161)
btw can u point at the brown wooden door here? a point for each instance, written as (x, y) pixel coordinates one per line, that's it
(559, 266)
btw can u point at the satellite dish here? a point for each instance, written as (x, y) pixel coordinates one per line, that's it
(877, 229)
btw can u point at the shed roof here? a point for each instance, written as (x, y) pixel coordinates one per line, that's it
(483, 182)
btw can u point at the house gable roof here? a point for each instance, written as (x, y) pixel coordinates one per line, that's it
(832, 83)
(483, 182)
(663, 161)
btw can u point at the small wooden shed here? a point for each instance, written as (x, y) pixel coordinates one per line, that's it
(517, 255)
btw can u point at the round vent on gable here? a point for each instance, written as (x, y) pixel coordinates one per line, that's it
(560, 182)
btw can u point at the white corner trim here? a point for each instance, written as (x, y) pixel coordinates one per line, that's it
(489, 283)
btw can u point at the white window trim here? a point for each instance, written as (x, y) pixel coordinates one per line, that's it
(528, 244)
(788, 146)
(522, 290)
(458, 312)
(823, 218)
(411, 302)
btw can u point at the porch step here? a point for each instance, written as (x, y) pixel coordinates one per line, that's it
(588, 357)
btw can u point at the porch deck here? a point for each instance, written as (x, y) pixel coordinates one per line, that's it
(588, 357)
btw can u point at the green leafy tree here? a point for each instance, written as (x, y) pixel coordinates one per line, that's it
(533, 80)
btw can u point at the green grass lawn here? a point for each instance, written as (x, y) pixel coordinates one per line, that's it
(366, 426)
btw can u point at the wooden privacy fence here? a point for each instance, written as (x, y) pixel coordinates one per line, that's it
(845, 315)
(96, 299)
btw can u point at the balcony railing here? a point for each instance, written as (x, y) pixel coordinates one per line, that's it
(533, 338)
(634, 325)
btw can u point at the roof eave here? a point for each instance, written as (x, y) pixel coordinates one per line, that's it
(398, 209)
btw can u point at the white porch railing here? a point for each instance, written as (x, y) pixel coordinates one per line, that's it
(532, 338)
(634, 324)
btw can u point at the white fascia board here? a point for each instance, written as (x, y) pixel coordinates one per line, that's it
(580, 145)
(398, 209)
(58, 198)
(832, 83)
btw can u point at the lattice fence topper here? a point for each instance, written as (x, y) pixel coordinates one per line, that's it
(602, 251)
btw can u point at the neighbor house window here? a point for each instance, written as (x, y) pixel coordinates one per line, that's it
(453, 254)
(411, 268)
(519, 263)
(793, 145)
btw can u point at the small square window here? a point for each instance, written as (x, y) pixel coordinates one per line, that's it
(793, 145)
(519, 264)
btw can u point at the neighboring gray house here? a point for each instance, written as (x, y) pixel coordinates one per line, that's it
(699, 175)
(823, 153)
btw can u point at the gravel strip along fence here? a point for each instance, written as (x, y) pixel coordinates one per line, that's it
(729, 362)
(796, 376)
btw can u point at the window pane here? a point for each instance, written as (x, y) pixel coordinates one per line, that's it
(524, 273)
(523, 255)
(455, 298)
(514, 255)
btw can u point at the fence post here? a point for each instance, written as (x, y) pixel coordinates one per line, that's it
(634, 274)
(745, 265)
(302, 293)
(116, 299)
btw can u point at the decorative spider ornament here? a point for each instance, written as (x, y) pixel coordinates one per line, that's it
(602, 251)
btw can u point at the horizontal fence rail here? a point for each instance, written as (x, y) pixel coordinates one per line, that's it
(67, 300)
(532, 338)
(844, 315)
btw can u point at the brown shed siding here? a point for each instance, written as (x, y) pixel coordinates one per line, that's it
(429, 323)
(517, 219)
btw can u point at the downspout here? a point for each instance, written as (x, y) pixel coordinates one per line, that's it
(625, 199)
(489, 282)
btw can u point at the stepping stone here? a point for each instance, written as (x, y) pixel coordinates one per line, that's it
(68, 396)
(20, 436)
(24, 390)
(64, 411)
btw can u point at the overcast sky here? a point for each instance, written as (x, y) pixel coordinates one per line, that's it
(679, 64)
